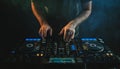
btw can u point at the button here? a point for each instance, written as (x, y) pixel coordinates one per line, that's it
(73, 47)
(37, 54)
(41, 55)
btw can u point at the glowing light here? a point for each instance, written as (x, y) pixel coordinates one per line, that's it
(107, 54)
(73, 47)
(111, 54)
(37, 54)
(41, 54)
(89, 39)
(32, 39)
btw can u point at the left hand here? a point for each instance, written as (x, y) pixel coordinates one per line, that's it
(68, 32)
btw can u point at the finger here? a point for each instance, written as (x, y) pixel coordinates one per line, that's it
(50, 32)
(40, 33)
(61, 32)
(73, 36)
(64, 34)
(69, 36)
(45, 33)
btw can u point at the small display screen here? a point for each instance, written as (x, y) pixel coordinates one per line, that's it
(61, 60)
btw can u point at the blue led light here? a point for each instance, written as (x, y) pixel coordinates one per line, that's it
(39, 38)
(83, 39)
(94, 39)
(88, 39)
(32, 39)
(73, 47)
(26, 39)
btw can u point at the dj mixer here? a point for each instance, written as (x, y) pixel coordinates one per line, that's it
(78, 50)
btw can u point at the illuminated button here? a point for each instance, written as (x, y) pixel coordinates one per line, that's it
(73, 48)
(32, 39)
(85, 47)
(35, 39)
(83, 39)
(28, 39)
(41, 54)
(107, 54)
(38, 39)
(94, 39)
(111, 54)
(37, 54)
(87, 39)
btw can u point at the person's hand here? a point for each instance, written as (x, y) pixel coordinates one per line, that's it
(68, 32)
(43, 31)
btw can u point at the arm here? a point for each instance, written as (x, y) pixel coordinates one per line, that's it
(87, 8)
(41, 19)
(37, 13)
(70, 27)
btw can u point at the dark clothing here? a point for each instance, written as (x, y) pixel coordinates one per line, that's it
(59, 12)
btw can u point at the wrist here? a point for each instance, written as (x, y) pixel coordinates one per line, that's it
(43, 22)
(72, 23)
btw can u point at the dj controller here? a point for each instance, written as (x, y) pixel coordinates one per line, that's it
(78, 50)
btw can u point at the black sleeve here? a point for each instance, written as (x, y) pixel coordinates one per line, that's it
(83, 4)
(84, 1)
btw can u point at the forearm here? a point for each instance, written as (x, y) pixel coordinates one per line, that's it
(87, 8)
(37, 14)
(83, 16)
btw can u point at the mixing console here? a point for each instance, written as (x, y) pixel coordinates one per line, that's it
(79, 50)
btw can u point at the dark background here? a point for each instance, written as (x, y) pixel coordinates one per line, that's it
(18, 22)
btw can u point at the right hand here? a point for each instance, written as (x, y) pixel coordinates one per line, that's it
(43, 31)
